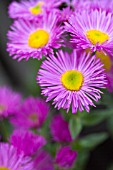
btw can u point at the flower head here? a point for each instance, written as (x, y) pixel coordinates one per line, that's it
(9, 101)
(72, 79)
(66, 157)
(34, 39)
(58, 124)
(31, 114)
(27, 142)
(92, 29)
(31, 9)
(11, 160)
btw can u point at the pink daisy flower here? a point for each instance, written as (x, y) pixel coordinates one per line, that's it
(91, 29)
(58, 124)
(34, 39)
(9, 101)
(72, 80)
(11, 160)
(43, 161)
(31, 114)
(65, 157)
(27, 142)
(31, 9)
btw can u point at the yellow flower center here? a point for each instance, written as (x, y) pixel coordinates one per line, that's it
(37, 9)
(3, 168)
(105, 59)
(72, 80)
(38, 39)
(96, 36)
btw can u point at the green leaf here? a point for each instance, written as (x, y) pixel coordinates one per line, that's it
(111, 167)
(96, 117)
(75, 126)
(92, 140)
(81, 161)
(110, 125)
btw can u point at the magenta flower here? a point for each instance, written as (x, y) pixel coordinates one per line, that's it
(32, 9)
(43, 161)
(66, 157)
(34, 39)
(58, 124)
(32, 113)
(11, 160)
(9, 101)
(72, 80)
(27, 142)
(91, 29)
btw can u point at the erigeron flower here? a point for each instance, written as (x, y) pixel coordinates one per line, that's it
(72, 80)
(32, 9)
(35, 39)
(32, 113)
(91, 29)
(9, 101)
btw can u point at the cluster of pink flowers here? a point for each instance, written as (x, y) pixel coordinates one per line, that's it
(75, 40)
(25, 147)
(47, 28)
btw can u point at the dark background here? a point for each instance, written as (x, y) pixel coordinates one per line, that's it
(21, 76)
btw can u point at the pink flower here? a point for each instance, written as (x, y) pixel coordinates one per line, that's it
(66, 157)
(27, 142)
(9, 101)
(58, 124)
(32, 113)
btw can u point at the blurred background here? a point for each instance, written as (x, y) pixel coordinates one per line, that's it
(21, 76)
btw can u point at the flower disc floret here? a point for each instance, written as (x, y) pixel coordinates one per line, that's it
(96, 36)
(38, 38)
(37, 9)
(72, 80)
(3, 168)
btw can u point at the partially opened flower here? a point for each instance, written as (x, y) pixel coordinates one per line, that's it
(31, 114)
(9, 101)
(72, 80)
(11, 160)
(91, 29)
(27, 142)
(57, 125)
(34, 39)
(31, 9)
(66, 157)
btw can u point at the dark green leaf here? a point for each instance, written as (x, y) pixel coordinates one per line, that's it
(96, 117)
(91, 141)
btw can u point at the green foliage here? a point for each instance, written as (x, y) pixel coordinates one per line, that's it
(81, 161)
(110, 168)
(89, 142)
(75, 126)
(96, 117)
